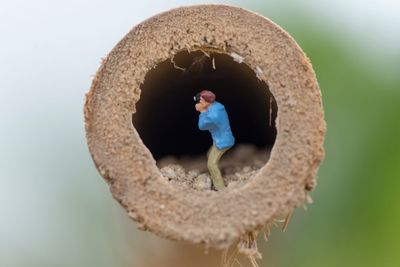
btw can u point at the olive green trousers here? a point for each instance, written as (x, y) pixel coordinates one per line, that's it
(213, 156)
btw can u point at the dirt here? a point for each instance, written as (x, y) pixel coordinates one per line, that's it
(237, 165)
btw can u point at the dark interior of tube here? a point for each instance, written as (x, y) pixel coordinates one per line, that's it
(167, 121)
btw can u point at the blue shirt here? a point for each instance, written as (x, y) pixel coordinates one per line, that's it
(215, 119)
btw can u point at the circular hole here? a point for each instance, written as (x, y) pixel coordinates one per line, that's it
(167, 121)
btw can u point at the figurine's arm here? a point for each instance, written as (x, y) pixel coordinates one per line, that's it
(207, 123)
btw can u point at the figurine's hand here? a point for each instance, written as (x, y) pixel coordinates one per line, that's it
(198, 107)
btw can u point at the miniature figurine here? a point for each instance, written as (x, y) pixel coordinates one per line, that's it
(213, 117)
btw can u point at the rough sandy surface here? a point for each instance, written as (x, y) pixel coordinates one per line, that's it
(237, 166)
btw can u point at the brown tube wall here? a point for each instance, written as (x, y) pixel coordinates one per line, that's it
(128, 165)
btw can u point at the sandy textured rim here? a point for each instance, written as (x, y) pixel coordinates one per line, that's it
(216, 219)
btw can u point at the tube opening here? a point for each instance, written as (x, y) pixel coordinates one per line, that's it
(167, 121)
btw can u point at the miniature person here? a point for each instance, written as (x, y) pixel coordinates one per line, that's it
(213, 117)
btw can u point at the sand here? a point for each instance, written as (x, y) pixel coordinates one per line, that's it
(237, 165)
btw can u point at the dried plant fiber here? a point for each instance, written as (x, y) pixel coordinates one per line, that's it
(212, 218)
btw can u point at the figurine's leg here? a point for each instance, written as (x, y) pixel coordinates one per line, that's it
(212, 164)
(209, 150)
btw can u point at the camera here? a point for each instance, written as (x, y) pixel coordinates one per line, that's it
(196, 98)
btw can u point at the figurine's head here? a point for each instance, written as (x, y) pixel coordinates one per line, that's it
(208, 96)
(203, 100)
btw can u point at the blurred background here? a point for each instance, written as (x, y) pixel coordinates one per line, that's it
(55, 209)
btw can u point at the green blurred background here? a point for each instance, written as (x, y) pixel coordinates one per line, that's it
(57, 211)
